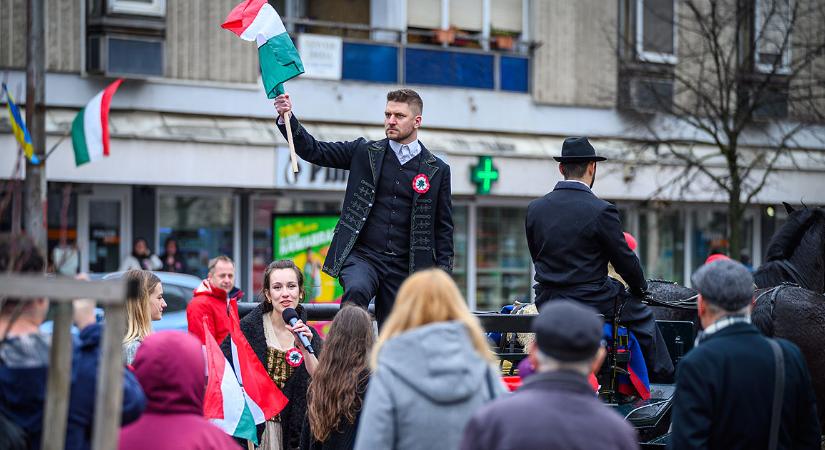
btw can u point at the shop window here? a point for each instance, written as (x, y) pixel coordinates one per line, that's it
(710, 235)
(460, 247)
(203, 226)
(262, 210)
(503, 259)
(662, 245)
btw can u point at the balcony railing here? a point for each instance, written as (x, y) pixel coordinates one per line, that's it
(394, 60)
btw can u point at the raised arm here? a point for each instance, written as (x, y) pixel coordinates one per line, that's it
(328, 154)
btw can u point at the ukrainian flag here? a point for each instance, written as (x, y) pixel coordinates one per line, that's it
(19, 128)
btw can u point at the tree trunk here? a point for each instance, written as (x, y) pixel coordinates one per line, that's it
(736, 215)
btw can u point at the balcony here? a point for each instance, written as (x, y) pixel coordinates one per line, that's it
(396, 61)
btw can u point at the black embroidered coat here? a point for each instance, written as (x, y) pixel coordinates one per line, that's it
(431, 224)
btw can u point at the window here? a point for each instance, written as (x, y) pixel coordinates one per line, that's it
(140, 7)
(656, 31)
(460, 247)
(662, 244)
(502, 258)
(773, 40)
(203, 226)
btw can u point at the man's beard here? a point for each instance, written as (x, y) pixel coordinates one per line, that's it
(400, 137)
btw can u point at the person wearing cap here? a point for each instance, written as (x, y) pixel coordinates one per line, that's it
(556, 407)
(725, 385)
(573, 235)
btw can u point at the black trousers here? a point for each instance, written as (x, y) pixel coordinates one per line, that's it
(367, 274)
(638, 318)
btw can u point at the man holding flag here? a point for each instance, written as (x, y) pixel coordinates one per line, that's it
(397, 212)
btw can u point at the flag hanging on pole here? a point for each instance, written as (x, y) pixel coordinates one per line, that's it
(257, 20)
(90, 128)
(19, 129)
(224, 403)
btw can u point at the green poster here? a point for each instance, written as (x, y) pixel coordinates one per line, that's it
(305, 240)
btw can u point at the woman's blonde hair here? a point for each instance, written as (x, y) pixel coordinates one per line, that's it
(139, 304)
(430, 296)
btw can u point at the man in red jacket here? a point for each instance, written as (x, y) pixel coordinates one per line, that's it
(213, 299)
(169, 365)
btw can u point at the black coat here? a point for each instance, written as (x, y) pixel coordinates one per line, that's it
(552, 410)
(295, 388)
(724, 391)
(572, 235)
(431, 233)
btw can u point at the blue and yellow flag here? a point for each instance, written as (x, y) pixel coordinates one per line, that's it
(19, 128)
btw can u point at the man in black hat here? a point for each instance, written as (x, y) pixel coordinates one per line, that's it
(572, 235)
(725, 386)
(566, 350)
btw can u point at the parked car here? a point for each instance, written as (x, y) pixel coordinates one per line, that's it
(178, 290)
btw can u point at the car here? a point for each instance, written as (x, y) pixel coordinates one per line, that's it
(178, 290)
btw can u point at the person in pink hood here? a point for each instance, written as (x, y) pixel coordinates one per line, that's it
(169, 366)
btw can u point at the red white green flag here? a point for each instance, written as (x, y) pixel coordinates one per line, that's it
(90, 128)
(257, 20)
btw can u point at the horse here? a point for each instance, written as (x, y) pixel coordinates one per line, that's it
(789, 300)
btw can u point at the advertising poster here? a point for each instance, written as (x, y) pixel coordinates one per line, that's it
(305, 239)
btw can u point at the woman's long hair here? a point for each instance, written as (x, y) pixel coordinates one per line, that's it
(426, 297)
(333, 395)
(139, 306)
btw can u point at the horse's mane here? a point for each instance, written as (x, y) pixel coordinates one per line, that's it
(787, 238)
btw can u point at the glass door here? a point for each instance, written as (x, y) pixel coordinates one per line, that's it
(103, 229)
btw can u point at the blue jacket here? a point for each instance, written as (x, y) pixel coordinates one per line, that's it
(23, 392)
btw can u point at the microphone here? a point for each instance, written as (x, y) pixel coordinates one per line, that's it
(290, 316)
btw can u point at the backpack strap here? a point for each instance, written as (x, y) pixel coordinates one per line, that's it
(778, 391)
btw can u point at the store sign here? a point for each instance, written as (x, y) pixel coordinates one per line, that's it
(321, 55)
(484, 175)
(309, 175)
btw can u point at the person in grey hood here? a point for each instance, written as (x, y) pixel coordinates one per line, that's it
(433, 370)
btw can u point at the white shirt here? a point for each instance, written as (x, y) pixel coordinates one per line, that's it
(405, 152)
(577, 181)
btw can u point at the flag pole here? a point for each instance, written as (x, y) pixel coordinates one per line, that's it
(293, 158)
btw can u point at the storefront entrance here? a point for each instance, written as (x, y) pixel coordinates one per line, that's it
(104, 228)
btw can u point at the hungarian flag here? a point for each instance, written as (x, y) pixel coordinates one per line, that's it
(224, 403)
(90, 128)
(263, 397)
(257, 20)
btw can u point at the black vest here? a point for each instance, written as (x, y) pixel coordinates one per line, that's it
(387, 229)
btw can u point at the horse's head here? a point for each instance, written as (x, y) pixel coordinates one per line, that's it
(796, 252)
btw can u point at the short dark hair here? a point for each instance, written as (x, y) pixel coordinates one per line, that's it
(409, 97)
(574, 169)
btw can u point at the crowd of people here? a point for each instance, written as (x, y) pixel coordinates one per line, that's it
(429, 379)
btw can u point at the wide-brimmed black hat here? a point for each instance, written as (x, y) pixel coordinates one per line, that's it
(577, 149)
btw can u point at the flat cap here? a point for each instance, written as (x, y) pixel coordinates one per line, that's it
(568, 331)
(725, 283)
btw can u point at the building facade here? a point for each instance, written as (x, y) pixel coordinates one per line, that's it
(195, 154)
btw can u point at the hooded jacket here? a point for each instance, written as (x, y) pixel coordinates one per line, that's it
(170, 367)
(23, 378)
(210, 301)
(428, 383)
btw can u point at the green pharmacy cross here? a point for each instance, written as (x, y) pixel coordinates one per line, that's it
(484, 175)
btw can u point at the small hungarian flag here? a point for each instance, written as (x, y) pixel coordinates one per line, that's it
(90, 128)
(224, 403)
(257, 20)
